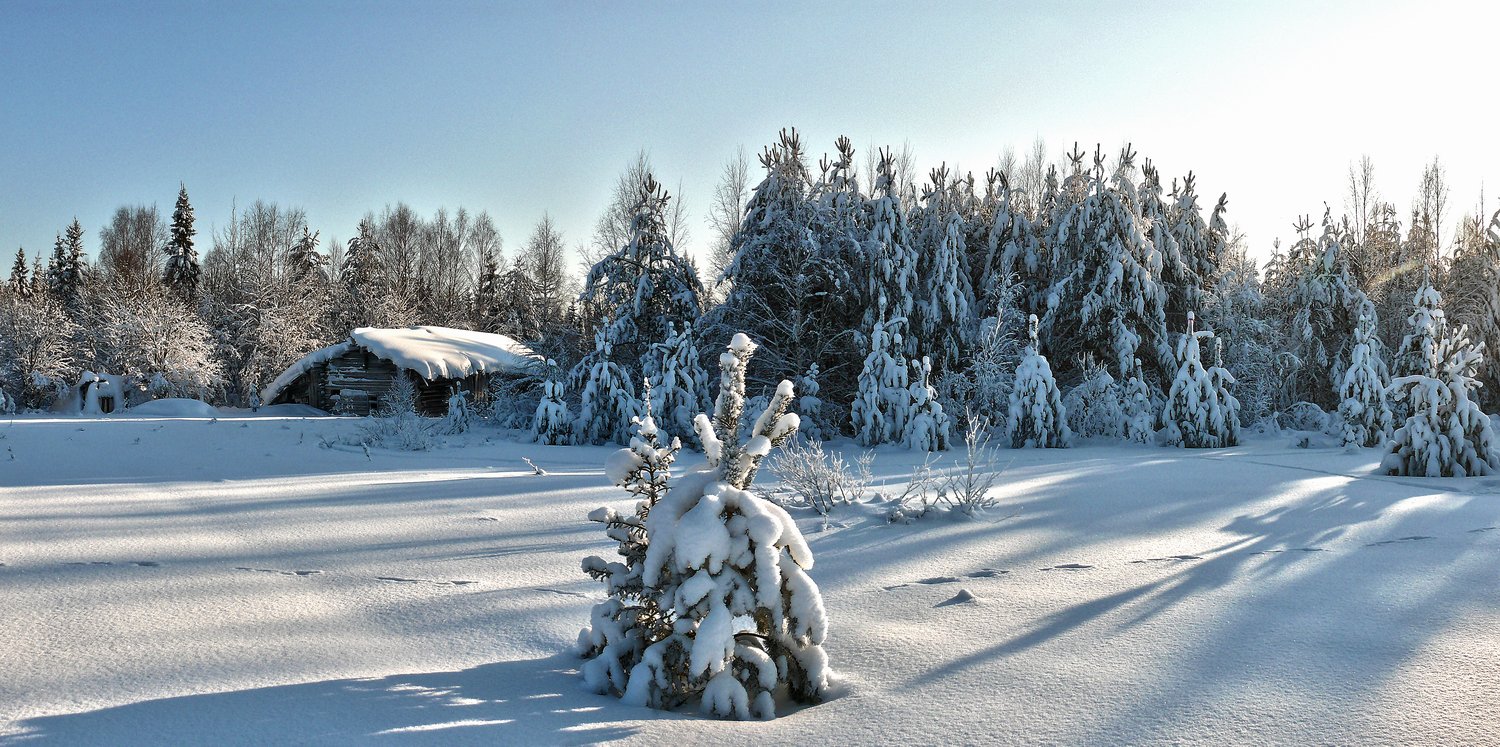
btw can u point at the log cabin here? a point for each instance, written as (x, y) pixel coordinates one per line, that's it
(352, 377)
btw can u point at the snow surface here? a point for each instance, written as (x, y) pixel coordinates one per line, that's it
(233, 582)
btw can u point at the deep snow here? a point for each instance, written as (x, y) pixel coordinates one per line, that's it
(179, 580)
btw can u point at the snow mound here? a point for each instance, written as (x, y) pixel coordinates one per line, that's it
(447, 353)
(175, 408)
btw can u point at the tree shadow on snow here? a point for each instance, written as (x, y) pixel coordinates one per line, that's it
(538, 701)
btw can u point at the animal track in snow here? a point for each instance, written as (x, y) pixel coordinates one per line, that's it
(137, 563)
(563, 592)
(1067, 567)
(1413, 538)
(1289, 549)
(278, 572)
(1169, 559)
(926, 582)
(1482, 529)
(400, 580)
(987, 573)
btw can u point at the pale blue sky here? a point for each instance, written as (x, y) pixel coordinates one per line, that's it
(520, 108)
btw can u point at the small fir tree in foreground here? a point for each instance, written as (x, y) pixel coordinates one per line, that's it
(632, 616)
(725, 612)
(1037, 415)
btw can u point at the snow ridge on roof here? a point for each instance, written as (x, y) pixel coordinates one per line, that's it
(447, 353)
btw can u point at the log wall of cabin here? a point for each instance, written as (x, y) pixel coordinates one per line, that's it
(358, 370)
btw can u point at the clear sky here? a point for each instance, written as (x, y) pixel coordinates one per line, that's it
(526, 107)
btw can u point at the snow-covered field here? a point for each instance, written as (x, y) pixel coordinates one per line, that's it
(196, 581)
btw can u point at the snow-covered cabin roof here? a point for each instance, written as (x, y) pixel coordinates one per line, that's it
(430, 352)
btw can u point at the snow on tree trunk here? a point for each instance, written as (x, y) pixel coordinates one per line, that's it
(1037, 416)
(724, 611)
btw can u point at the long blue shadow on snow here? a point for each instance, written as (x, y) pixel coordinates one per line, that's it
(537, 701)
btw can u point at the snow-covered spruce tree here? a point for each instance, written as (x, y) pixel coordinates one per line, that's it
(644, 290)
(1323, 304)
(892, 260)
(1137, 414)
(810, 407)
(729, 568)
(1426, 328)
(928, 428)
(1168, 229)
(1015, 256)
(1037, 416)
(779, 281)
(882, 405)
(181, 272)
(679, 385)
(943, 312)
(1447, 434)
(1105, 300)
(607, 403)
(19, 283)
(487, 294)
(1365, 412)
(633, 615)
(553, 424)
(460, 417)
(1200, 412)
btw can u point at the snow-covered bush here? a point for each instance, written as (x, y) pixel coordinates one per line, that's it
(1200, 412)
(553, 423)
(1447, 434)
(1365, 413)
(968, 488)
(396, 424)
(927, 429)
(820, 478)
(728, 567)
(7, 403)
(1304, 416)
(513, 400)
(1094, 405)
(1037, 416)
(460, 417)
(921, 492)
